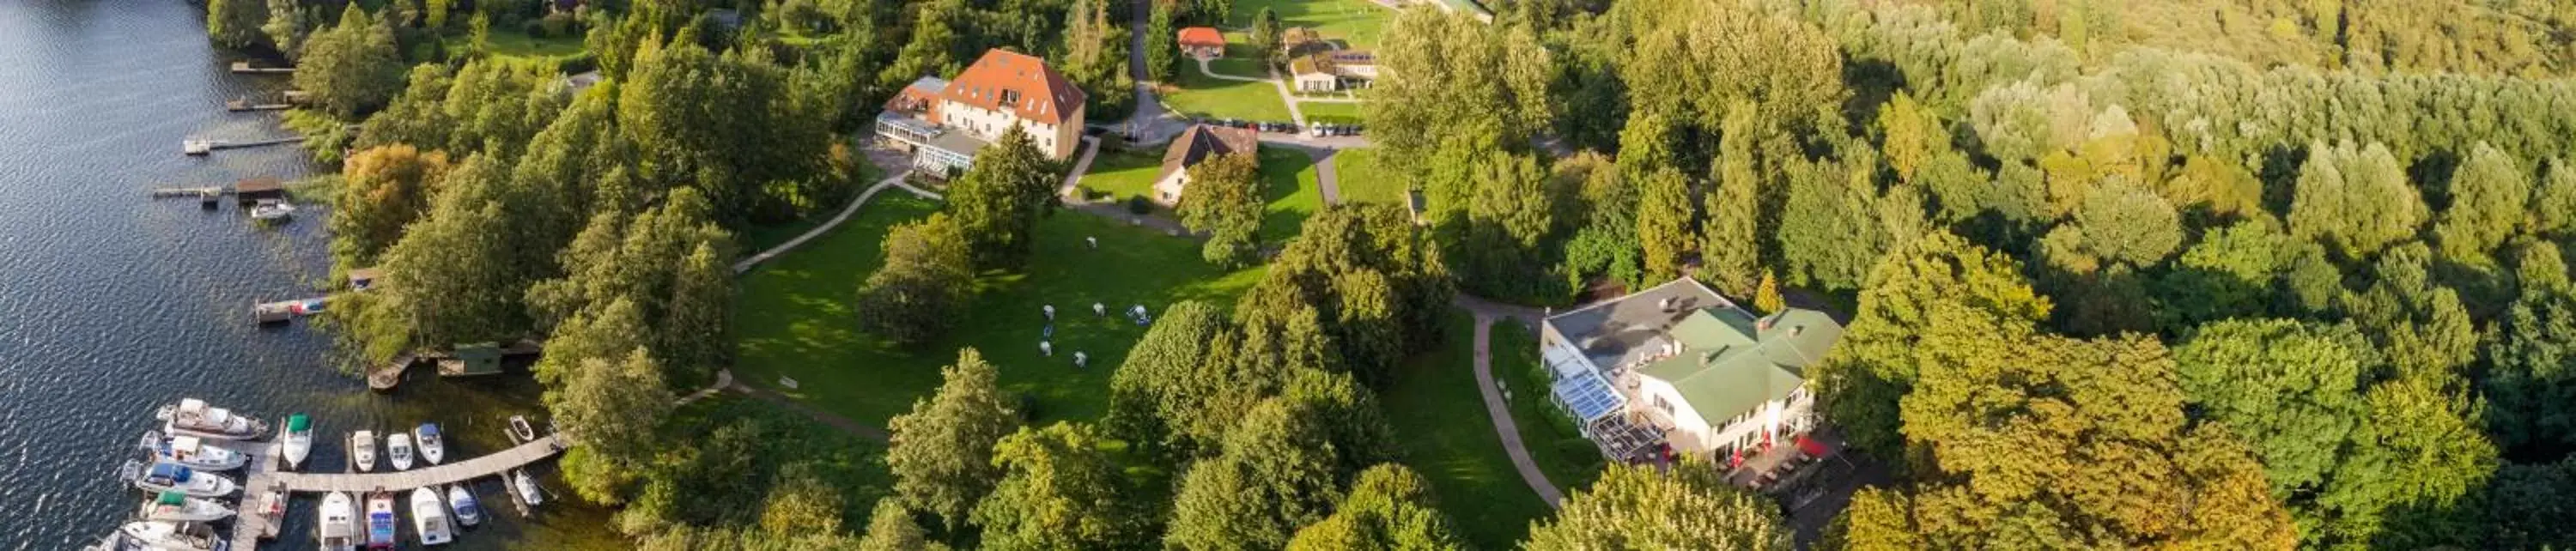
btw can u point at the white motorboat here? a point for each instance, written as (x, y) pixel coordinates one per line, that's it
(429, 517)
(166, 477)
(192, 452)
(468, 511)
(272, 210)
(362, 449)
(520, 430)
(380, 520)
(116, 542)
(527, 488)
(398, 450)
(192, 417)
(298, 440)
(174, 536)
(178, 507)
(433, 447)
(339, 530)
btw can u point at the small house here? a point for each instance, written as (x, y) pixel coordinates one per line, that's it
(1313, 74)
(1202, 42)
(1196, 145)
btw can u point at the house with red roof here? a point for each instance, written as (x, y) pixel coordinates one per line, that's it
(1202, 42)
(944, 122)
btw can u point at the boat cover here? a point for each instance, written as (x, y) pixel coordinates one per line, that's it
(429, 429)
(298, 422)
(172, 498)
(166, 472)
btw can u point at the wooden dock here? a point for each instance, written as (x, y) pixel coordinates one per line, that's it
(244, 104)
(203, 147)
(262, 474)
(243, 67)
(248, 526)
(384, 378)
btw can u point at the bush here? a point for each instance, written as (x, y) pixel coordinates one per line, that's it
(560, 24)
(578, 63)
(535, 28)
(1139, 204)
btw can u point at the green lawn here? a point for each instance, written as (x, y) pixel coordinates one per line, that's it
(1209, 97)
(794, 319)
(1123, 174)
(1241, 59)
(1440, 421)
(1360, 179)
(1357, 22)
(1291, 193)
(1569, 460)
(1330, 112)
(517, 43)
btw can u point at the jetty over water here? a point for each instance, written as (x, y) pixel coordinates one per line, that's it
(262, 475)
(243, 67)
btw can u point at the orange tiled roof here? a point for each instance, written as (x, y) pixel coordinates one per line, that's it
(1202, 36)
(1033, 90)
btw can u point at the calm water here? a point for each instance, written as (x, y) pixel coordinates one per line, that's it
(111, 304)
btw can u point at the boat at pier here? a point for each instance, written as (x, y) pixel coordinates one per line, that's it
(298, 440)
(362, 449)
(398, 449)
(433, 448)
(166, 477)
(174, 536)
(272, 210)
(429, 517)
(380, 520)
(178, 507)
(527, 488)
(192, 452)
(468, 511)
(339, 530)
(520, 430)
(192, 417)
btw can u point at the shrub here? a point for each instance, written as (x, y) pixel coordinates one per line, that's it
(536, 28)
(1139, 204)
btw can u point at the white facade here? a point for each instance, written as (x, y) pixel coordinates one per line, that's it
(1059, 141)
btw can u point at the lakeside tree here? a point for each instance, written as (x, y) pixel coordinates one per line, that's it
(941, 452)
(235, 23)
(1638, 508)
(923, 286)
(1224, 201)
(612, 408)
(997, 202)
(352, 68)
(382, 190)
(1058, 491)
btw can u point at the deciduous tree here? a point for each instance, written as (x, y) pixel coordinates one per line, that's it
(921, 290)
(1638, 508)
(1058, 491)
(352, 68)
(1388, 509)
(235, 23)
(997, 202)
(382, 190)
(2490, 199)
(941, 452)
(1224, 201)
(2354, 199)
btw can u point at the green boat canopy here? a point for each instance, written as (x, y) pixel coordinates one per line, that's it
(172, 498)
(298, 423)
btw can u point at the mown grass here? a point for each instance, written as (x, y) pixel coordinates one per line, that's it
(1440, 423)
(1362, 179)
(1568, 459)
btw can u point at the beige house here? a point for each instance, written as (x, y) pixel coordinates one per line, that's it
(945, 122)
(1332, 71)
(1199, 143)
(1679, 366)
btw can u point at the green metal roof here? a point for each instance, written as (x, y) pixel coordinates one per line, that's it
(1731, 362)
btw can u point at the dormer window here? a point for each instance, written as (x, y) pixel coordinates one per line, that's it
(1010, 96)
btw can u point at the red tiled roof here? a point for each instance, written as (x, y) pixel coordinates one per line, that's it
(1202, 36)
(1036, 92)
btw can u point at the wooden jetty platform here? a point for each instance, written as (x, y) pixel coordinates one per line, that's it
(204, 147)
(244, 104)
(280, 311)
(262, 474)
(384, 378)
(244, 67)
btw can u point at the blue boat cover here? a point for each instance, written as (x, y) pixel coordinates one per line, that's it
(1588, 396)
(429, 429)
(170, 472)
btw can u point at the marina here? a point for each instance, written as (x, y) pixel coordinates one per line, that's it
(263, 472)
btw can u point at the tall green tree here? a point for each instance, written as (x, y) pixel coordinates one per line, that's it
(382, 190)
(997, 203)
(1162, 48)
(1824, 239)
(1664, 218)
(2355, 199)
(1277, 473)
(614, 409)
(1172, 382)
(1912, 290)
(1731, 242)
(2293, 390)
(1265, 35)
(2490, 199)
(1389, 508)
(352, 68)
(890, 528)
(235, 23)
(1638, 508)
(922, 288)
(2530, 384)
(1058, 491)
(941, 451)
(1224, 200)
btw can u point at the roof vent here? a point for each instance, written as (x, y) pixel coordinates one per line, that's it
(1795, 329)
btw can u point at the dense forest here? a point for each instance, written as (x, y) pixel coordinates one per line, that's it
(2209, 273)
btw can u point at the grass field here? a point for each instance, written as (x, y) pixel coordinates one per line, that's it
(1356, 22)
(1440, 421)
(793, 318)
(1210, 97)
(1361, 179)
(1569, 460)
(1330, 112)
(1291, 193)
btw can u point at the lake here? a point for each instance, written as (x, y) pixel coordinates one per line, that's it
(112, 303)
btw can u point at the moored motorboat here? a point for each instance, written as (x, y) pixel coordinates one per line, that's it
(339, 530)
(520, 430)
(298, 441)
(173, 536)
(380, 520)
(362, 449)
(167, 477)
(192, 452)
(271, 210)
(398, 450)
(178, 507)
(433, 447)
(192, 417)
(527, 488)
(429, 517)
(468, 511)
(116, 542)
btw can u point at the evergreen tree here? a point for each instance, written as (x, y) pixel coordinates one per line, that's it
(940, 452)
(1664, 223)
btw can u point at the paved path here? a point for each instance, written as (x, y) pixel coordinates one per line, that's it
(1152, 122)
(1501, 413)
(896, 180)
(1073, 178)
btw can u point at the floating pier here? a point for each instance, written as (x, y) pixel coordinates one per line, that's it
(203, 147)
(262, 475)
(244, 67)
(244, 104)
(280, 311)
